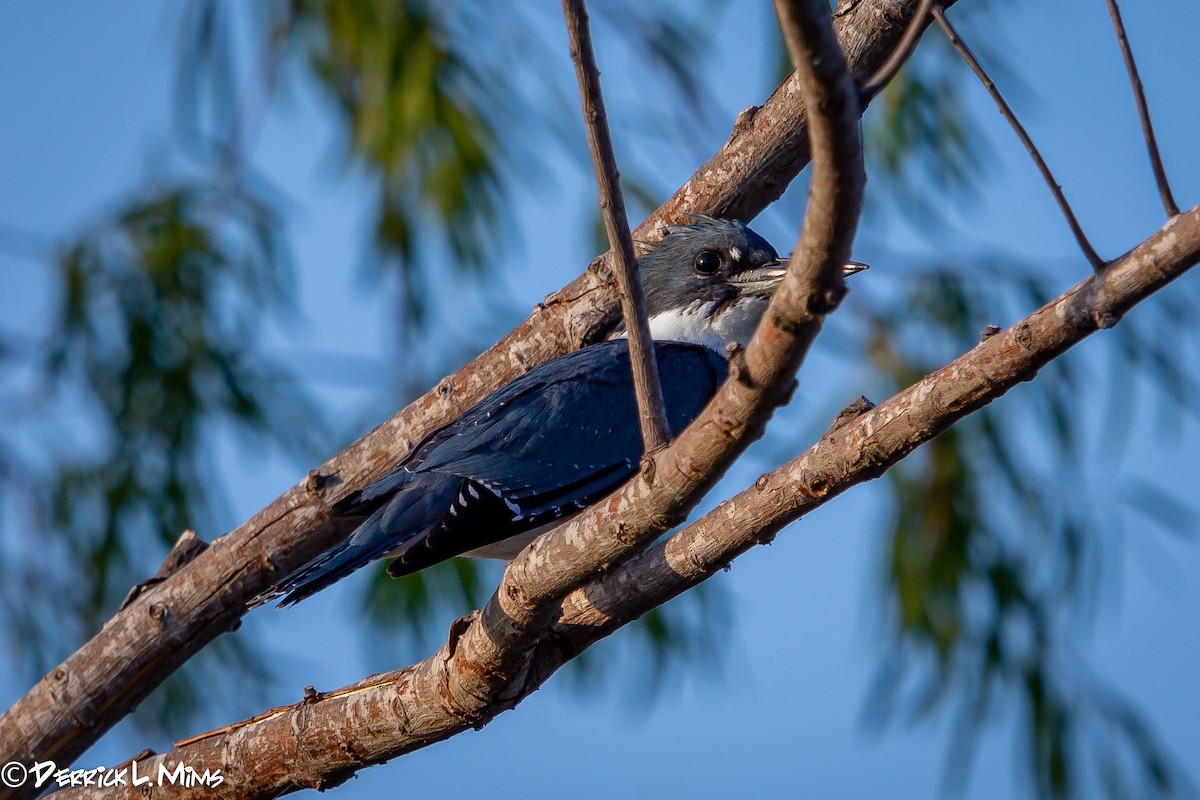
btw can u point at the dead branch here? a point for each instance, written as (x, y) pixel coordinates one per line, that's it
(69, 709)
(883, 76)
(875, 438)
(1139, 96)
(397, 712)
(1093, 257)
(652, 412)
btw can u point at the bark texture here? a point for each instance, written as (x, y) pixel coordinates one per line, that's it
(652, 414)
(491, 659)
(325, 738)
(167, 622)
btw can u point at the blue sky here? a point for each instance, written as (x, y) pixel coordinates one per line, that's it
(85, 97)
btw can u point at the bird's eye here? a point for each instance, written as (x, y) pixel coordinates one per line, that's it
(707, 262)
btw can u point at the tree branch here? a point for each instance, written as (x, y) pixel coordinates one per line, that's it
(871, 441)
(1139, 96)
(652, 413)
(141, 645)
(489, 662)
(327, 737)
(1093, 257)
(883, 76)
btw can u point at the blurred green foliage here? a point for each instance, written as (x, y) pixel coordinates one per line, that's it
(148, 340)
(990, 556)
(986, 565)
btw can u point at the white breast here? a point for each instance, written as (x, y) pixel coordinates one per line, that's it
(734, 323)
(507, 549)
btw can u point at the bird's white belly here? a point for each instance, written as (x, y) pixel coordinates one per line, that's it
(507, 549)
(735, 323)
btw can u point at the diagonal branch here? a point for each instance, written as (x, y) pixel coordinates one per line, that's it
(652, 414)
(489, 663)
(1139, 96)
(327, 737)
(871, 441)
(883, 76)
(674, 480)
(1093, 257)
(105, 679)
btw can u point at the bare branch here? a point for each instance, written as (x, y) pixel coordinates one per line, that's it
(145, 642)
(1093, 257)
(883, 76)
(874, 439)
(789, 26)
(497, 644)
(652, 413)
(394, 713)
(1139, 95)
(489, 661)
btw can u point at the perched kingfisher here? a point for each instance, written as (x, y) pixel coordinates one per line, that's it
(566, 433)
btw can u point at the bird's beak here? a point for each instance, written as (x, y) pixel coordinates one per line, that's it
(760, 280)
(765, 280)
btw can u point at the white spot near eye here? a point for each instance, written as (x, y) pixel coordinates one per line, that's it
(735, 253)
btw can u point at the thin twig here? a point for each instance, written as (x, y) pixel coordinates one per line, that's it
(651, 411)
(1139, 94)
(789, 27)
(912, 34)
(1093, 257)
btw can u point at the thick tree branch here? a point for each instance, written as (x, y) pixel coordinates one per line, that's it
(1139, 96)
(1093, 257)
(488, 664)
(675, 479)
(140, 646)
(866, 445)
(387, 715)
(652, 413)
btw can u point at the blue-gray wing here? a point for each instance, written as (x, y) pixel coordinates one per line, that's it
(544, 446)
(567, 432)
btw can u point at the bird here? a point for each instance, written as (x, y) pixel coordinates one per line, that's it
(565, 434)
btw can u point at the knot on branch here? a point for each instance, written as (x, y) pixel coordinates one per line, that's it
(648, 468)
(851, 412)
(744, 120)
(1106, 319)
(827, 300)
(601, 268)
(738, 369)
(1024, 336)
(317, 482)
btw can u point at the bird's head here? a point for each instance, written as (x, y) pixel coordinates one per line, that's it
(709, 282)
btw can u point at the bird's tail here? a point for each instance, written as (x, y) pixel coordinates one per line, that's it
(411, 511)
